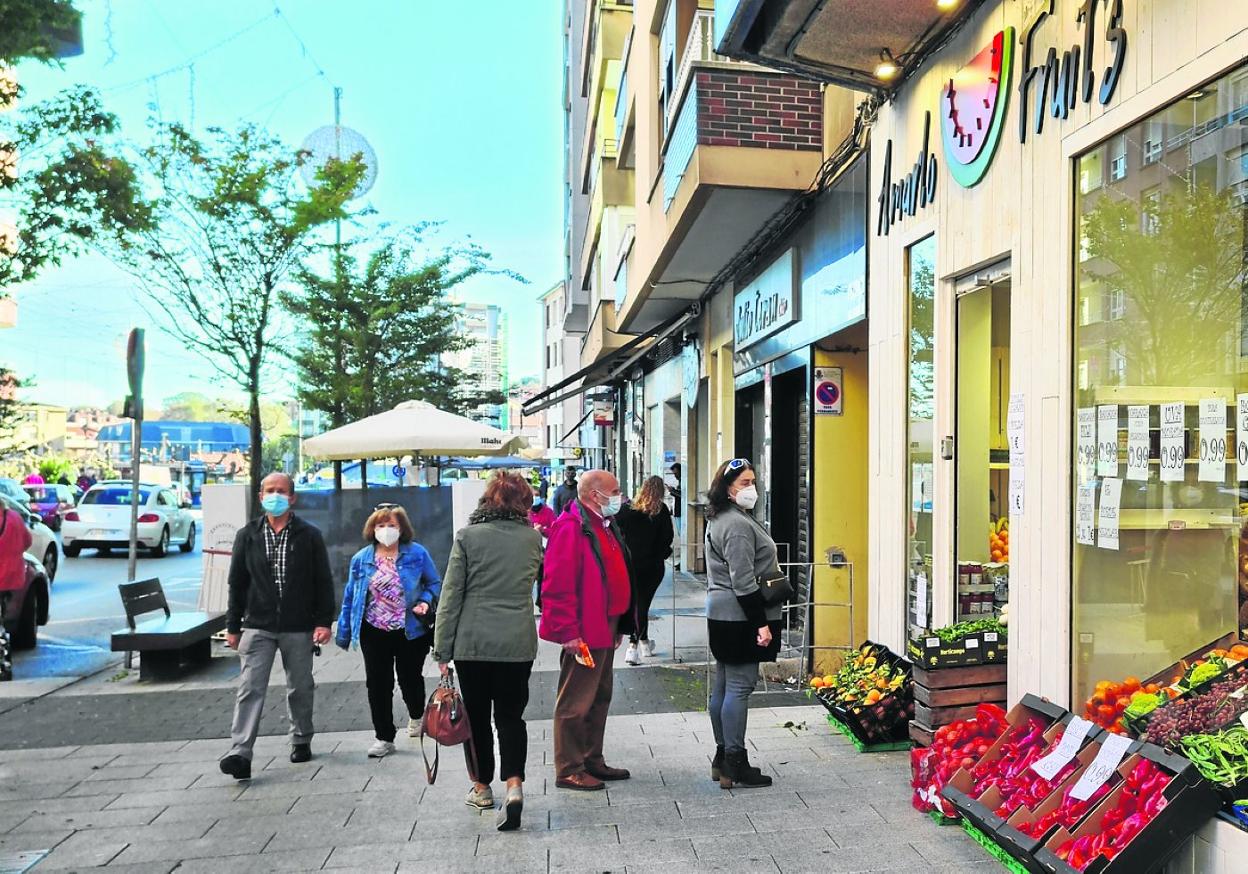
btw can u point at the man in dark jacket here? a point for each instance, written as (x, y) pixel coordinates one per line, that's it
(281, 598)
(566, 493)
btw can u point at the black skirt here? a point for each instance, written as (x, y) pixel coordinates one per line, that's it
(735, 643)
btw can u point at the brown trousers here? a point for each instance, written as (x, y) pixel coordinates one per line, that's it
(581, 711)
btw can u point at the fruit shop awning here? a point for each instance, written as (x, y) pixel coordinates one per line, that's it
(865, 46)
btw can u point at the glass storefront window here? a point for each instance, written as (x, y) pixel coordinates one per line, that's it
(920, 405)
(1161, 371)
(982, 452)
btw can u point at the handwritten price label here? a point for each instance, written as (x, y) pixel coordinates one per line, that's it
(1137, 442)
(1173, 449)
(1102, 768)
(1067, 749)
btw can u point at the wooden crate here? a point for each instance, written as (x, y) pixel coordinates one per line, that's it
(947, 695)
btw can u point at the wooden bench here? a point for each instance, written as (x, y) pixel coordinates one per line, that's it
(167, 645)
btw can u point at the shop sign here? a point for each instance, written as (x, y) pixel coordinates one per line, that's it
(1061, 84)
(972, 110)
(604, 413)
(691, 374)
(767, 304)
(829, 397)
(910, 194)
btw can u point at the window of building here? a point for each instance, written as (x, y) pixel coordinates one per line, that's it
(1157, 491)
(1154, 136)
(921, 405)
(1090, 172)
(1117, 158)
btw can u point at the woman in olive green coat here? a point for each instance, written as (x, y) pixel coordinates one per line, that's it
(485, 625)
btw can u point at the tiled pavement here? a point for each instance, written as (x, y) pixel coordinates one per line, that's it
(157, 807)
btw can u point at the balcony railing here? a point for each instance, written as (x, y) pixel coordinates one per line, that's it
(621, 103)
(700, 46)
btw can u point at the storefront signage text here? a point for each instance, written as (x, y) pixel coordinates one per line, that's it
(765, 305)
(1062, 83)
(906, 196)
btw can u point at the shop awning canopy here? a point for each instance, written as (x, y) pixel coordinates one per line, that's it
(844, 42)
(412, 428)
(608, 369)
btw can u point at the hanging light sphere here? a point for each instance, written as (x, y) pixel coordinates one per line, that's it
(337, 143)
(8, 88)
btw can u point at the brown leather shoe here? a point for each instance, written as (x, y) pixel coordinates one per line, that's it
(606, 772)
(581, 782)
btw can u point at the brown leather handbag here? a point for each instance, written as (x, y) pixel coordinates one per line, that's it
(446, 722)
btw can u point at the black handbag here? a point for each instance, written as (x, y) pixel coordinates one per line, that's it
(775, 587)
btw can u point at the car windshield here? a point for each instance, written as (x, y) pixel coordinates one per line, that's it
(43, 494)
(113, 497)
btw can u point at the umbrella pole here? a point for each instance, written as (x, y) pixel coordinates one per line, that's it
(364, 475)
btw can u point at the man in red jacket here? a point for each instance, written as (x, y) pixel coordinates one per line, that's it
(587, 598)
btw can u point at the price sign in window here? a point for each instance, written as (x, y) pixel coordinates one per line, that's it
(1212, 440)
(1137, 442)
(1241, 436)
(1173, 452)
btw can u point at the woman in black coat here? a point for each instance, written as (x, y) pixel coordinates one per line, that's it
(647, 528)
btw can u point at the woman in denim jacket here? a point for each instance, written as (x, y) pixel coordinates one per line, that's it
(389, 598)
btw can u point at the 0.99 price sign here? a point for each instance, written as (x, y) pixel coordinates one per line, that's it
(1173, 443)
(1213, 440)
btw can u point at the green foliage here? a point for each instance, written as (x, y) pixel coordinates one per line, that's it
(275, 452)
(231, 220)
(27, 26)
(9, 386)
(1177, 263)
(53, 467)
(74, 187)
(377, 331)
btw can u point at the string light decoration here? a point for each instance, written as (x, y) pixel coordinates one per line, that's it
(337, 143)
(8, 239)
(9, 89)
(8, 165)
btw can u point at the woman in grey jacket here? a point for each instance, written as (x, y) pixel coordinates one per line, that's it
(741, 628)
(485, 625)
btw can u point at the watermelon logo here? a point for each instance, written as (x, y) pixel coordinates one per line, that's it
(973, 107)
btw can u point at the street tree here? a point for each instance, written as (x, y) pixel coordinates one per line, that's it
(378, 330)
(33, 28)
(231, 221)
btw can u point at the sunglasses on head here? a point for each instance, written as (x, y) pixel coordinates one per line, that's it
(738, 463)
(387, 507)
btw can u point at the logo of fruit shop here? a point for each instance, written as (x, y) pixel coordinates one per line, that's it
(973, 107)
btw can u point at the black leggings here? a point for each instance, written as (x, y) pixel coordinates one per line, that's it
(647, 585)
(387, 653)
(503, 686)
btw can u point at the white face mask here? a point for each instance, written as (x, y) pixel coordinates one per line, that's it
(746, 498)
(387, 536)
(614, 502)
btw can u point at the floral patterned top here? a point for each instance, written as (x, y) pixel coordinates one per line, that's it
(386, 605)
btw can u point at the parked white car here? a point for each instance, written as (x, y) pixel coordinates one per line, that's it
(43, 541)
(102, 520)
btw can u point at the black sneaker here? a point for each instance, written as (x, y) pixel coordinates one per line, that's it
(237, 767)
(301, 753)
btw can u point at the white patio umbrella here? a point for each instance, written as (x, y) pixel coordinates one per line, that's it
(411, 428)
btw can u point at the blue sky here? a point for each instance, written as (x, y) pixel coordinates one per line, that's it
(460, 101)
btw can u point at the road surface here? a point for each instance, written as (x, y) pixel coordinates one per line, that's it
(86, 609)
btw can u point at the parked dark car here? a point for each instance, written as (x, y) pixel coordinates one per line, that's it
(52, 501)
(26, 604)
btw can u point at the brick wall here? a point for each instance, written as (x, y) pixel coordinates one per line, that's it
(760, 110)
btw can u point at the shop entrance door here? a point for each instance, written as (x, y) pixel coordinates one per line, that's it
(981, 497)
(790, 465)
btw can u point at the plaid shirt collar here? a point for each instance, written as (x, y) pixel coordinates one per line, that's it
(276, 550)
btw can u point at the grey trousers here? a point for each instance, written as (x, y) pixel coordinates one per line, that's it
(729, 706)
(257, 650)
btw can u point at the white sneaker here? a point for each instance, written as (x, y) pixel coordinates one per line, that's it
(380, 749)
(647, 648)
(413, 728)
(631, 657)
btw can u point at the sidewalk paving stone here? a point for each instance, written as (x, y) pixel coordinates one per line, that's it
(831, 809)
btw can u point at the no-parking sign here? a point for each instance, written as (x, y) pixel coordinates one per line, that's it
(828, 394)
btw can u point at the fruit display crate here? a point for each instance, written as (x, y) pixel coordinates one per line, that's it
(981, 809)
(884, 722)
(950, 694)
(1014, 866)
(1190, 803)
(976, 648)
(860, 745)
